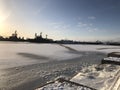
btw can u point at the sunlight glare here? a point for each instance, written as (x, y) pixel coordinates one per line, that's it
(2, 18)
(1, 23)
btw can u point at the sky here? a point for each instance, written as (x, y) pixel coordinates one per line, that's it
(84, 20)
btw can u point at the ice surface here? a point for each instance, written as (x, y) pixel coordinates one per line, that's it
(17, 54)
(99, 77)
(98, 48)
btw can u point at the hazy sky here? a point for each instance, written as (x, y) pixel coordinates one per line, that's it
(61, 19)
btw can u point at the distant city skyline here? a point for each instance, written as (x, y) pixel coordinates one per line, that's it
(84, 20)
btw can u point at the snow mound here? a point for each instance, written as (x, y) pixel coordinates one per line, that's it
(112, 59)
(100, 77)
(58, 85)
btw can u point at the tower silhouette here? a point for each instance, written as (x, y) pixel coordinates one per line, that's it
(35, 35)
(46, 36)
(41, 34)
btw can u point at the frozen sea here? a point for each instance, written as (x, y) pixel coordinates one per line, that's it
(27, 66)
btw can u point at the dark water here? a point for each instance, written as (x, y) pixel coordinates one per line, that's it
(30, 77)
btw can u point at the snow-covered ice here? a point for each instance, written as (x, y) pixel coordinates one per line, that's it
(100, 77)
(98, 48)
(11, 53)
(17, 54)
(23, 54)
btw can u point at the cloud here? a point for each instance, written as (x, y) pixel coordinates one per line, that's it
(80, 24)
(42, 7)
(92, 17)
(60, 25)
(87, 26)
(90, 24)
(39, 10)
(93, 29)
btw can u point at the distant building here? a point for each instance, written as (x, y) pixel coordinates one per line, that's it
(1, 38)
(65, 41)
(14, 37)
(40, 39)
(46, 36)
(38, 36)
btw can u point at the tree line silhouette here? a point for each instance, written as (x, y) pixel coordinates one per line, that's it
(39, 39)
